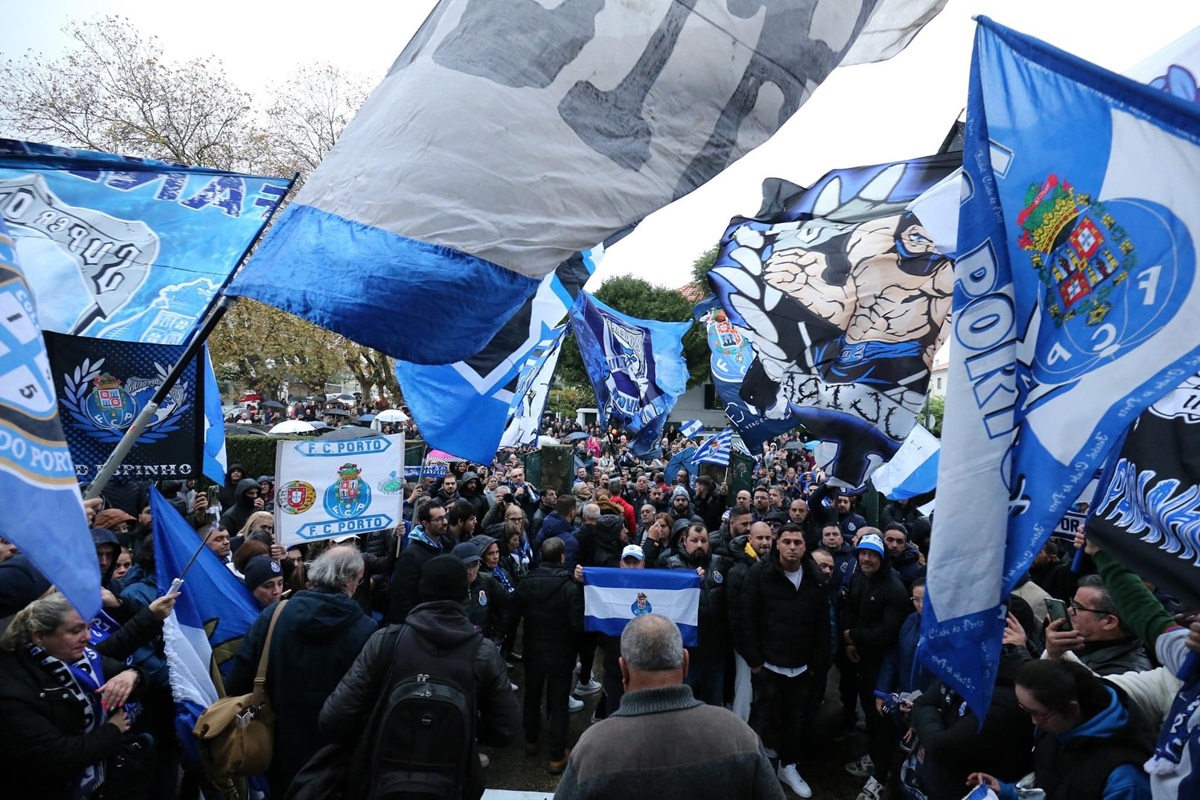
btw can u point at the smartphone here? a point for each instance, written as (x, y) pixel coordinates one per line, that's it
(213, 493)
(1057, 609)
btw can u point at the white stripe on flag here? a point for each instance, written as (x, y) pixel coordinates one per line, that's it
(608, 602)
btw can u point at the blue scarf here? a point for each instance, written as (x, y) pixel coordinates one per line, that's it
(82, 678)
(502, 576)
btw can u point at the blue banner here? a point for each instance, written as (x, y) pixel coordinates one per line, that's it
(842, 292)
(103, 385)
(42, 510)
(463, 408)
(1076, 306)
(613, 597)
(126, 248)
(636, 367)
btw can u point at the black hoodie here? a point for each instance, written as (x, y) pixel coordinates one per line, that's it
(234, 518)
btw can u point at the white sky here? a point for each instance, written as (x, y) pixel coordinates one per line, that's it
(867, 114)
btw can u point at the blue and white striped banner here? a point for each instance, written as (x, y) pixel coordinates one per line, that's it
(690, 428)
(612, 597)
(715, 450)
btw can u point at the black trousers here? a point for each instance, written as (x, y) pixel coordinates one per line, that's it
(782, 707)
(555, 683)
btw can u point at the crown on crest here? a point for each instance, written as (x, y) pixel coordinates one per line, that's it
(106, 381)
(349, 471)
(1049, 209)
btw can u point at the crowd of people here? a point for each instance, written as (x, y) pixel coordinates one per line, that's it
(801, 599)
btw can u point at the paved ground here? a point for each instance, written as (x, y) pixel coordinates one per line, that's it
(510, 769)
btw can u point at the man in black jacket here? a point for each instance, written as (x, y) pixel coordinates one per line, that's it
(782, 629)
(424, 544)
(551, 604)
(747, 551)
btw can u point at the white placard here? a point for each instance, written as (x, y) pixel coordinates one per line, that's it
(338, 488)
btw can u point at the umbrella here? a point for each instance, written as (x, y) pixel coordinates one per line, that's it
(292, 426)
(348, 432)
(366, 418)
(391, 415)
(236, 429)
(273, 404)
(575, 437)
(441, 457)
(318, 425)
(335, 412)
(795, 444)
(681, 460)
(542, 441)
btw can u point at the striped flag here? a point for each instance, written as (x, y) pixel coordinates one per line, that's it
(715, 450)
(691, 428)
(612, 597)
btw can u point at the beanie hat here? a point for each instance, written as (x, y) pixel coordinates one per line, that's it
(679, 526)
(872, 542)
(443, 578)
(466, 552)
(679, 490)
(259, 570)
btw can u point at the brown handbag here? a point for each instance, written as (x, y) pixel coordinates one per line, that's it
(236, 734)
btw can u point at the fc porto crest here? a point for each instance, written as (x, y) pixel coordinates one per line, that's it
(296, 497)
(108, 405)
(104, 405)
(349, 496)
(641, 606)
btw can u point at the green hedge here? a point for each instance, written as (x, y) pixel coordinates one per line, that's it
(257, 453)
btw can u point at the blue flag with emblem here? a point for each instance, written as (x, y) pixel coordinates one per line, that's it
(423, 245)
(212, 614)
(690, 428)
(42, 510)
(125, 248)
(636, 367)
(613, 597)
(716, 450)
(464, 408)
(1076, 306)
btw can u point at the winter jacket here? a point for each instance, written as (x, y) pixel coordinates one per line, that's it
(554, 525)
(875, 609)
(441, 626)
(778, 624)
(600, 544)
(551, 604)
(406, 575)
(908, 565)
(318, 636)
(743, 557)
(141, 588)
(20, 584)
(713, 619)
(711, 509)
(235, 517)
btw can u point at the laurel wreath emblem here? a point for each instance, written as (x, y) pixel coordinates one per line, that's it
(76, 388)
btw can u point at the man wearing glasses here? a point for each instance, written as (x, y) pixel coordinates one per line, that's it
(1096, 635)
(424, 544)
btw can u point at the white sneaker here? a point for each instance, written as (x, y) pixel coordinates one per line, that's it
(872, 791)
(863, 767)
(790, 778)
(585, 689)
(574, 704)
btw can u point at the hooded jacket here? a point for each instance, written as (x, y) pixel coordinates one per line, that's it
(776, 623)
(443, 625)
(551, 604)
(712, 621)
(474, 497)
(599, 544)
(227, 496)
(232, 519)
(318, 636)
(406, 575)
(875, 610)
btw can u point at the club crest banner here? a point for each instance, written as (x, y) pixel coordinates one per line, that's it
(103, 385)
(337, 488)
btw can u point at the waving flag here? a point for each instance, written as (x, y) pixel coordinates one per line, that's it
(716, 450)
(127, 248)
(215, 459)
(913, 470)
(211, 616)
(557, 145)
(42, 512)
(842, 291)
(612, 597)
(1076, 306)
(636, 367)
(690, 428)
(466, 407)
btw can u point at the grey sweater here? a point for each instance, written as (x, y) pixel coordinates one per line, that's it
(665, 744)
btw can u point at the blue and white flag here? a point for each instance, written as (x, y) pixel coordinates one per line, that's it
(842, 290)
(464, 408)
(103, 385)
(716, 450)
(913, 470)
(636, 367)
(212, 614)
(612, 597)
(690, 428)
(1076, 306)
(127, 248)
(215, 459)
(42, 510)
(423, 244)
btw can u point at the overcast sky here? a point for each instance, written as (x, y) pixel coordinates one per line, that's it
(867, 114)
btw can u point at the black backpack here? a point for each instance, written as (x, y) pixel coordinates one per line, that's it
(424, 741)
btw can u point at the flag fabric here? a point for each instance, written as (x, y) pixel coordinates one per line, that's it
(731, 357)
(842, 293)
(42, 512)
(612, 597)
(104, 384)
(715, 450)
(1147, 515)
(636, 367)
(334, 488)
(913, 470)
(126, 248)
(466, 407)
(215, 458)
(212, 614)
(1076, 306)
(401, 230)
(690, 428)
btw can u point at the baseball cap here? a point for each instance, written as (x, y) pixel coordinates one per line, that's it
(633, 551)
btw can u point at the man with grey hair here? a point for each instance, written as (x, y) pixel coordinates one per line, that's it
(712, 753)
(318, 635)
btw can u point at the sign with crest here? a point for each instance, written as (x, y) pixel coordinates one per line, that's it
(103, 385)
(338, 488)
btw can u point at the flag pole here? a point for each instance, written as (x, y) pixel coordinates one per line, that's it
(213, 315)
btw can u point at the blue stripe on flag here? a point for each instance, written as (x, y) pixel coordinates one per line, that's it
(214, 421)
(421, 302)
(612, 597)
(691, 428)
(645, 579)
